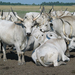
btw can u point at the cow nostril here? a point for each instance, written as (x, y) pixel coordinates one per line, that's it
(28, 34)
(40, 29)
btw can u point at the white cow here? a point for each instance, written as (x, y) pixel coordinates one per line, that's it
(8, 16)
(11, 17)
(51, 52)
(65, 27)
(13, 34)
(45, 27)
(59, 13)
(38, 37)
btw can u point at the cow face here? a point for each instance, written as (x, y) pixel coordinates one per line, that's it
(28, 24)
(39, 36)
(45, 27)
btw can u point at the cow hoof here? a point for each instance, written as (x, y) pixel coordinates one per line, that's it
(68, 55)
(4, 60)
(23, 63)
(19, 64)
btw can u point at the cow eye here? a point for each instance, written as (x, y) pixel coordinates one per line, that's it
(42, 34)
(32, 26)
(50, 35)
(25, 17)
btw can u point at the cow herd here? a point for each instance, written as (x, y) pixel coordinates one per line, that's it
(50, 35)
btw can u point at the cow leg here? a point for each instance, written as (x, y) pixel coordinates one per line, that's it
(23, 61)
(67, 51)
(0, 49)
(0, 46)
(4, 52)
(20, 54)
(19, 59)
(65, 58)
(61, 63)
(55, 60)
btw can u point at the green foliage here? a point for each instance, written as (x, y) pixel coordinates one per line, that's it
(57, 3)
(43, 3)
(8, 3)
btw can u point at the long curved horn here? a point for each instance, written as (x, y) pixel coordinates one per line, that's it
(2, 13)
(63, 12)
(17, 15)
(50, 10)
(56, 15)
(73, 13)
(40, 8)
(67, 38)
(43, 9)
(36, 17)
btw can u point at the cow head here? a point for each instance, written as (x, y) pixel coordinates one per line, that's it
(28, 21)
(45, 27)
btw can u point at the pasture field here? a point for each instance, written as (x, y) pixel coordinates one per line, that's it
(21, 10)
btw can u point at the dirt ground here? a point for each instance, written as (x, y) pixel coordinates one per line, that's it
(11, 67)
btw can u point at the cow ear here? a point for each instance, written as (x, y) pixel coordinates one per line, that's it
(36, 23)
(2, 13)
(32, 17)
(51, 24)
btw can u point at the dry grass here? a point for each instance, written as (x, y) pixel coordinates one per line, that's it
(35, 8)
(21, 10)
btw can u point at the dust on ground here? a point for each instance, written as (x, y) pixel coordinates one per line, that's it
(11, 67)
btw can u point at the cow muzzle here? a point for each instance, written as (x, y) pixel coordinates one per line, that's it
(28, 34)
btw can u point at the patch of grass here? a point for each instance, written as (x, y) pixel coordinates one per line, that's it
(21, 10)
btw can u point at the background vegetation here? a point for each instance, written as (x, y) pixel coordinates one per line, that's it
(43, 3)
(22, 9)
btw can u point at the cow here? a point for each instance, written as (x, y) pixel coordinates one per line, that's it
(50, 53)
(8, 16)
(13, 34)
(16, 33)
(64, 27)
(38, 37)
(59, 13)
(45, 27)
(31, 17)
